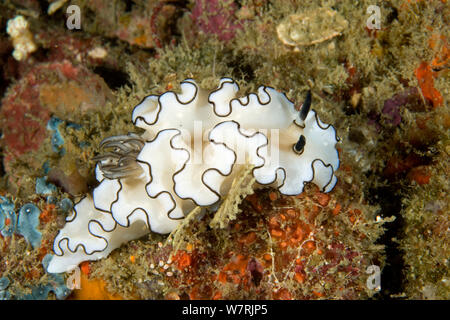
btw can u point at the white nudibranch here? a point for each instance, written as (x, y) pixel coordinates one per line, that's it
(193, 146)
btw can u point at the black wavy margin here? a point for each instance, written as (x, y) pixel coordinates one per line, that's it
(230, 80)
(222, 82)
(214, 169)
(243, 104)
(187, 198)
(137, 208)
(304, 182)
(150, 168)
(159, 193)
(203, 174)
(83, 247)
(190, 81)
(154, 197)
(67, 239)
(326, 128)
(312, 163)
(184, 166)
(115, 199)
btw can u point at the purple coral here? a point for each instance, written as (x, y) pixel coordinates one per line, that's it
(216, 17)
(391, 108)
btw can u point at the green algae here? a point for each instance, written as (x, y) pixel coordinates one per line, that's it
(241, 187)
(426, 247)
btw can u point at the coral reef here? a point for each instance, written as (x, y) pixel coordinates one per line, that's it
(385, 90)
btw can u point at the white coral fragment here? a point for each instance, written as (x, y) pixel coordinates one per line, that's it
(21, 37)
(311, 27)
(194, 144)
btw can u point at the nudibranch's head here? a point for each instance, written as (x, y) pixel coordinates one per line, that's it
(305, 152)
(304, 110)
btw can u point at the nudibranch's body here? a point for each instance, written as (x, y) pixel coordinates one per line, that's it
(193, 145)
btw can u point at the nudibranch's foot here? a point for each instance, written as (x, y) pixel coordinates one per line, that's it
(69, 260)
(91, 234)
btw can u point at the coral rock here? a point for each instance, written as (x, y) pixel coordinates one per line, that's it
(311, 27)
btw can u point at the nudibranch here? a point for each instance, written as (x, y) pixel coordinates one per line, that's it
(194, 143)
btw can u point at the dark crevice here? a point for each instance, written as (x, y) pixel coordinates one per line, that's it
(349, 110)
(114, 78)
(256, 271)
(129, 5)
(390, 200)
(2, 169)
(43, 5)
(42, 54)
(392, 15)
(238, 3)
(181, 8)
(58, 18)
(242, 70)
(3, 84)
